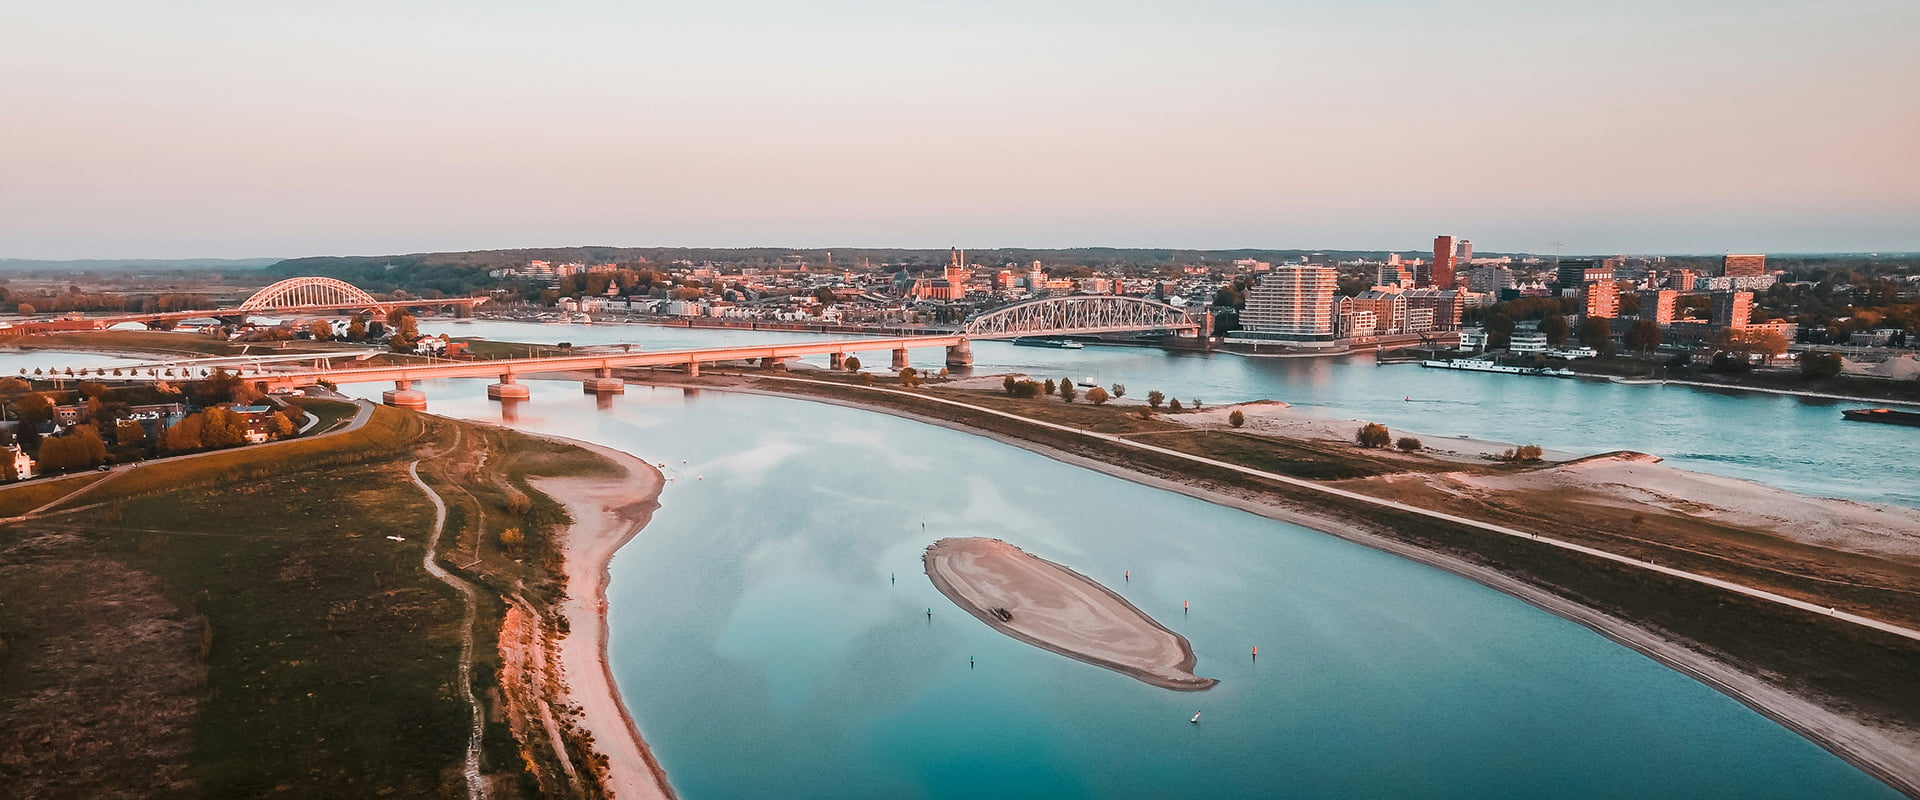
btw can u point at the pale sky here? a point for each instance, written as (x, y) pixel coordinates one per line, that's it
(221, 128)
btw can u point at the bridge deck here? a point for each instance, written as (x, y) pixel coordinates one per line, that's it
(660, 358)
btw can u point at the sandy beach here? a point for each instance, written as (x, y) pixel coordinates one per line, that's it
(607, 512)
(1059, 610)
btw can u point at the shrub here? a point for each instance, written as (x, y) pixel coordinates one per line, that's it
(1155, 398)
(1819, 366)
(1067, 390)
(1097, 396)
(1049, 385)
(1119, 390)
(1174, 405)
(1237, 418)
(909, 376)
(1408, 444)
(1373, 434)
(852, 363)
(1522, 454)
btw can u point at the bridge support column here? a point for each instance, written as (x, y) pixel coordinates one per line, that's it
(960, 355)
(900, 359)
(837, 361)
(693, 369)
(403, 396)
(506, 389)
(604, 383)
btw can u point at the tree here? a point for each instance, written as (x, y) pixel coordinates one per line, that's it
(126, 432)
(1155, 398)
(1499, 330)
(1373, 434)
(1174, 404)
(1097, 396)
(1408, 444)
(283, 424)
(852, 363)
(406, 332)
(222, 428)
(33, 409)
(11, 386)
(1009, 383)
(1597, 333)
(909, 377)
(1522, 454)
(26, 310)
(357, 329)
(1816, 366)
(1237, 418)
(1644, 335)
(1119, 390)
(1067, 390)
(1049, 385)
(1026, 389)
(1555, 327)
(320, 330)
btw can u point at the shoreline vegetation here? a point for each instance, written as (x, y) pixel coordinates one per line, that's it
(1057, 609)
(258, 621)
(1846, 687)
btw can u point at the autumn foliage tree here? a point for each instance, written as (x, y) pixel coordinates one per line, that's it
(1373, 434)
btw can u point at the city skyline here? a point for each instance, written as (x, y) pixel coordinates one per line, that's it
(238, 131)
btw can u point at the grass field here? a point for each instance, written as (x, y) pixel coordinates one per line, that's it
(20, 498)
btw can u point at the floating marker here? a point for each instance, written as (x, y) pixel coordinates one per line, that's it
(891, 579)
(969, 662)
(1185, 606)
(1129, 575)
(1256, 652)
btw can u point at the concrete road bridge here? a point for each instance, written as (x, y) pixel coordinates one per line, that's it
(509, 370)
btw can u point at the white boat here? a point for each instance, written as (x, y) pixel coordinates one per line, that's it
(1477, 365)
(1196, 718)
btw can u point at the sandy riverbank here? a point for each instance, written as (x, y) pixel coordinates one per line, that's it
(607, 513)
(1059, 610)
(1890, 754)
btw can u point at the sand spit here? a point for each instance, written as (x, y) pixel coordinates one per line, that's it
(606, 514)
(1054, 608)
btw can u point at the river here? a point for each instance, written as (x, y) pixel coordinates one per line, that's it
(771, 635)
(1799, 444)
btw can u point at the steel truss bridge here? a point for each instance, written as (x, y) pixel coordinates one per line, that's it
(1079, 314)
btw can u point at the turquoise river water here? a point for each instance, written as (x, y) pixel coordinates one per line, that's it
(771, 635)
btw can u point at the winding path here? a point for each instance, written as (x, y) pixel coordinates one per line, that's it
(476, 786)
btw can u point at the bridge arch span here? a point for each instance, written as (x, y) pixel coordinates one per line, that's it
(1078, 314)
(294, 292)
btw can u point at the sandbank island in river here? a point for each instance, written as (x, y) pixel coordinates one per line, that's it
(1054, 608)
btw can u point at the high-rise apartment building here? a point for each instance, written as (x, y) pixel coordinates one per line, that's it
(1440, 274)
(1732, 309)
(1463, 253)
(1394, 274)
(1602, 300)
(1659, 305)
(1387, 309)
(1743, 266)
(1445, 306)
(1490, 279)
(1682, 280)
(1294, 302)
(1572, 273)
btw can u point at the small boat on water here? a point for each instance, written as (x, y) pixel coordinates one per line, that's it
(1886, 415)
(1196, 718)
(1046, 341)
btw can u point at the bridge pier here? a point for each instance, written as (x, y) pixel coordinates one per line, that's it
(604, 383)
(693, 369)
(837, 361)
(506, 389)
(403, 396)
(899, 359)
(960, 355)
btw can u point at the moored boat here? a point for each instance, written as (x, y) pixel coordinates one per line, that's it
(1044, 341)
(1886, 415)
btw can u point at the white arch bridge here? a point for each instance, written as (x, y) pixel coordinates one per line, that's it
(307, 292)
(1079, 314)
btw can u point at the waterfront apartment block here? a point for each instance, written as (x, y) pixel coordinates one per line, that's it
(1602, 300)
(1659, 305)
(1732, 309)
(1294, 302)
